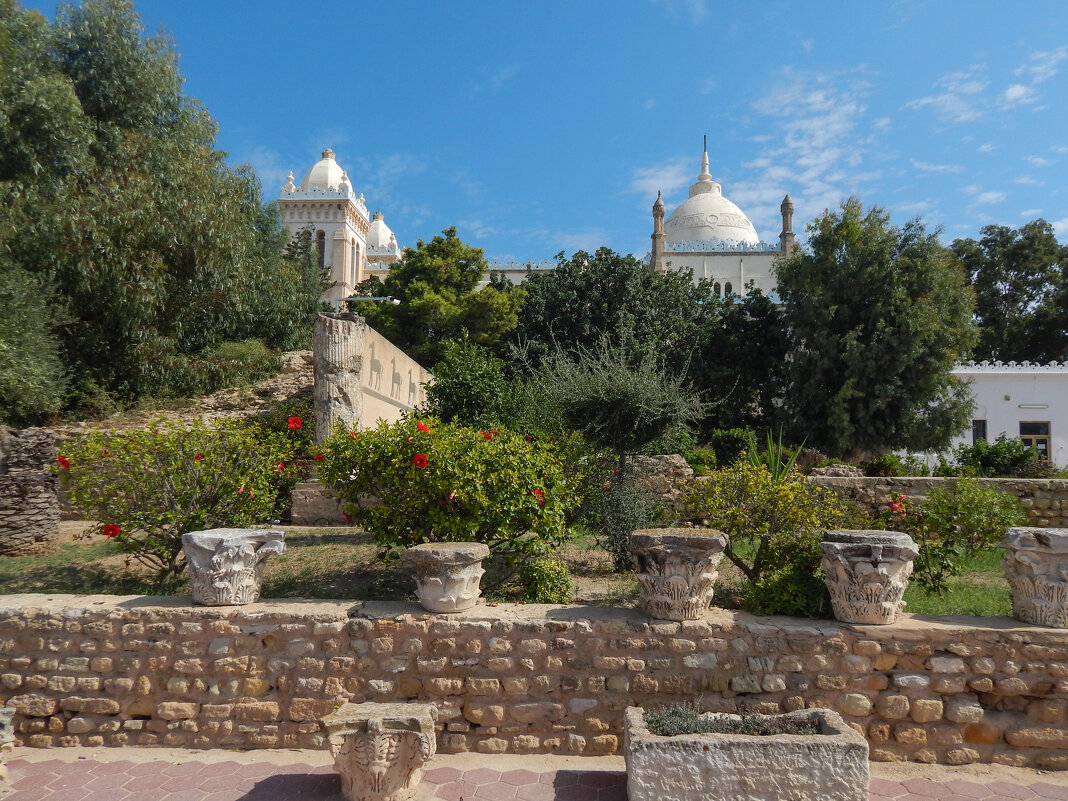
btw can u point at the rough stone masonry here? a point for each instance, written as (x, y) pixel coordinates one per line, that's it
(106, 670)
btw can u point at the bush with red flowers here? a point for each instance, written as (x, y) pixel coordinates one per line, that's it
(150, 486)
(425, 481)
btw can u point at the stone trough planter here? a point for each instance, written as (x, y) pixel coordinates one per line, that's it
(830, 766)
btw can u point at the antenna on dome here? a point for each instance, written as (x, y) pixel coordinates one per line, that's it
(705, 148)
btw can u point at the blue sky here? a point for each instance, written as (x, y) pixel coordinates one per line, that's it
(538, 127)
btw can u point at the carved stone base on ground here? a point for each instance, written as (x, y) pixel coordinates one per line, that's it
(867, 573)
(677, 570)
(1036, 567)
(447, 574)
(225, 564)
(381, 750)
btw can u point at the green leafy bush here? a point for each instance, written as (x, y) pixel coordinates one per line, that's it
(955, 522)
(702, 460)
(546, 581)
(294, 419)
(774, 526)
(1004, 456)
(890, 464)
(148, 487)
(443, 482)
(729, 444)
(615, 509)
(469, 386)
(231, 364)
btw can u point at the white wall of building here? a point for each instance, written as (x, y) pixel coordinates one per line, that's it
(1007, 395)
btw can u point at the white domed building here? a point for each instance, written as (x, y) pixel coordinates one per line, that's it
(710, 235)
(348, 241)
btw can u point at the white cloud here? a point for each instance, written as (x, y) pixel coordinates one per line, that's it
(694, 10)
(269, 168)
(503, 76)
(1032, 213)
(1019, 95)
(588, 240)
(960, 99)
(807, 45)
(986, 147)
(971, 189)
(665, 178)
(1027, 180)
(1061, 228)
(1038, 161)
(987, 198)
(882, 125)
(378, 177)
(1043, 64)
(1059, 148)
(472, 189)
(649, 104)
(925, 167)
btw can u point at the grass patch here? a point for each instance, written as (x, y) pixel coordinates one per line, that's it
(343, 564)
(981, 590)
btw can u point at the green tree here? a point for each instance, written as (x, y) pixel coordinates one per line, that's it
(437, 285)
(1020, 279)
(469, 386)
(112, 193)
(587, 298)
(878, 317)
(32, 379)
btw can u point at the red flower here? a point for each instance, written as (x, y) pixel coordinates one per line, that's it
(63, 461)
(353, 434)
(295, 423)
(419, 460)
(493, 432)
(111, 530)
(422, 426)
(281, 466)
(348, 519)
(240, 490)
(528, 438)
(198, 458)
(319, 457)
(539, 495)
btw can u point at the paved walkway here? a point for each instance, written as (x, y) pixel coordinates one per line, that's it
(174, 775)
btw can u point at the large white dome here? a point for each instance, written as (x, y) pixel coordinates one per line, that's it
(325, 174)
(708, 216)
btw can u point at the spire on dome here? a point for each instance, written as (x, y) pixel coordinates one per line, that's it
(705, 174)
(659, 205)
(328, 154)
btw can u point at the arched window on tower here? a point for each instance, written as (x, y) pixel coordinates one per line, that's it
(727, 290)
(717, 290)
(320, 247)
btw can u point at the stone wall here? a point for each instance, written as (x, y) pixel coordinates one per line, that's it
(103, 670)
(1046, 500)
(29, 499)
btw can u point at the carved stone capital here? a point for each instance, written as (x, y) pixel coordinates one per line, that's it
(226, 564)
(677, 569)
(866, 574)
(447, 574)
(1036, 567)
(381, 750)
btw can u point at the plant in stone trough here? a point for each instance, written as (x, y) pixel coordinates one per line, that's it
(773, 527)
(417, 481)
(147, 487)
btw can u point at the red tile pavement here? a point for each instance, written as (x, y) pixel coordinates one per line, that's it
(192, 779)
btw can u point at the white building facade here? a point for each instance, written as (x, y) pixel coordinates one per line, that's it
(1024, 401)
(350, 243)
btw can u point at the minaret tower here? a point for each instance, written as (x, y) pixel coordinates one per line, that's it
(656, 260)
(786, 238)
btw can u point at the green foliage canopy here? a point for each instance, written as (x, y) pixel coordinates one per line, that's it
(1020, 279)
(112, 194)
(878, 317)
(437, 284)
